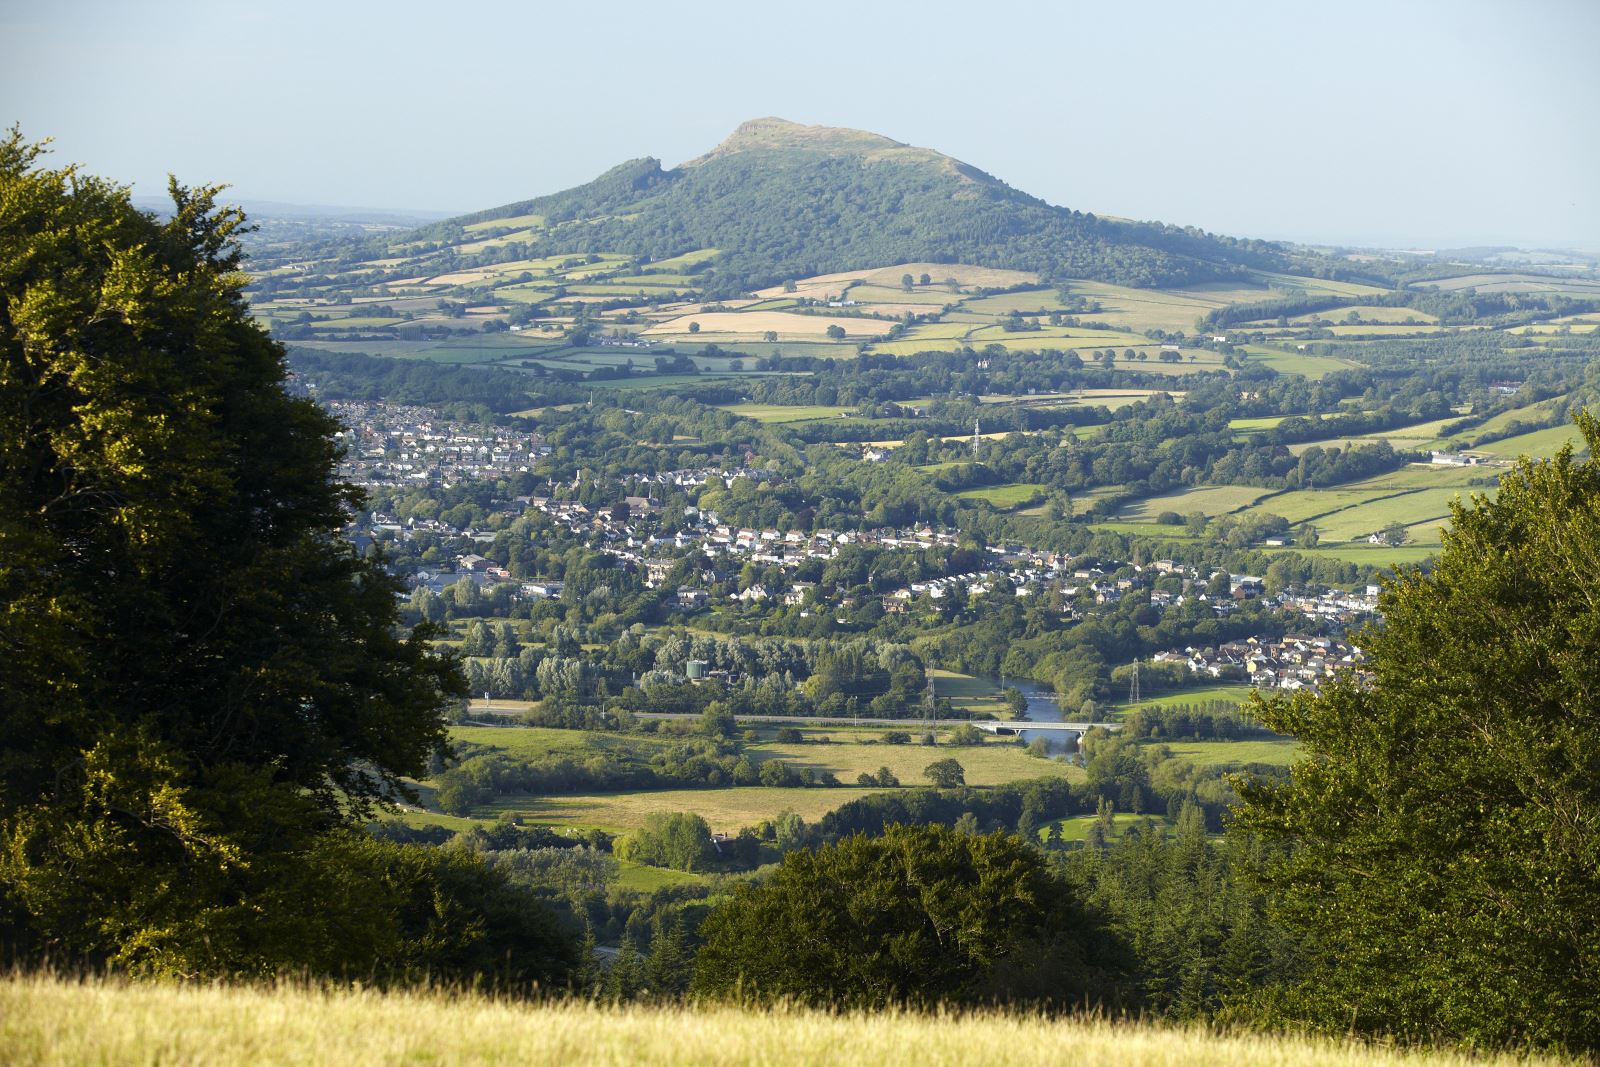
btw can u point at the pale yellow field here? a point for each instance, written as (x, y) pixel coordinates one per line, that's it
(965, 275)
(819, 287)
(514, 220)
(787, 324)
(52, 1023)
(727, 810)
(995, 762)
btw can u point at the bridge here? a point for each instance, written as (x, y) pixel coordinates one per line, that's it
(1005, 726)
(993, 726)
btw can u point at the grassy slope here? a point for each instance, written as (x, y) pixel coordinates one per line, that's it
(54, 1023)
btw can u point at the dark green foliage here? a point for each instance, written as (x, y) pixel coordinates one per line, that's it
(1188, 913)
(681, 840)
(945, 773)
(356, 376)
(201, 680)
(919, 916)
(1445, 825)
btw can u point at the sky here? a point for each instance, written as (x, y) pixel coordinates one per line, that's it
(1402, 123)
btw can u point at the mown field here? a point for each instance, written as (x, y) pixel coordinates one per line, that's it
(1005, 496)
(54, 1023)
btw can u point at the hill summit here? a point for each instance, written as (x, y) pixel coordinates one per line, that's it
(779, 200)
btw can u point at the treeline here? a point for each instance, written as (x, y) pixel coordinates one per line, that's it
(1207, 720)
(359, 377)
(1450, 307)
(482, 777)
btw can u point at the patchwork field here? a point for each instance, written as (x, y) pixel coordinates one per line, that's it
(1418, 496)
(755, 324)
(1209, 500)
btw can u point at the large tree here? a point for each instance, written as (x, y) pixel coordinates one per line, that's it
(1445, 822)
(920, 916)
(201, 679)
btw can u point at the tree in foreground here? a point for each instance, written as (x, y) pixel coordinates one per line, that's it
(1445, 822)
(919, 916)
(204, 688)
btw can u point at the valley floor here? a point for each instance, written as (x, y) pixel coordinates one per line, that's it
(49, 1022)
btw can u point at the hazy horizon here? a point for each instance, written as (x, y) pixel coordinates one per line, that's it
(1428, 125)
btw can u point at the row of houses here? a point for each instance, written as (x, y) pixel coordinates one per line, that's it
(1291, 663)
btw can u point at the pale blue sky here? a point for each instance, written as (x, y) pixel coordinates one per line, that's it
(1405, 123)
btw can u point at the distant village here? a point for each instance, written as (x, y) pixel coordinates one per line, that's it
(393, 445)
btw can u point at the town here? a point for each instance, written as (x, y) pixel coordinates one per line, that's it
(763, 570)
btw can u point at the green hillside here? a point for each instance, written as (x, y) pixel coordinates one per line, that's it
(787, 201)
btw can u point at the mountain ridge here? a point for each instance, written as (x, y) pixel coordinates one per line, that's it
(780, 200)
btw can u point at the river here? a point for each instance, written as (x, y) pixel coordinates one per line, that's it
(1042, 707)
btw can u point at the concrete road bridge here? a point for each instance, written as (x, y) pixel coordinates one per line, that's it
(993, 726)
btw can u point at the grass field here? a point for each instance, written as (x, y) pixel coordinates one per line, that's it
(778, 413)
(1362, 553)
(727, 810)
(1004, 496)
(995, 762)
(1212, 500)
(1237, 693)
(55, 1023)
(1216, 753)
(1303, 363)
(1540, 444)
(1529, 413)
(1076, 828)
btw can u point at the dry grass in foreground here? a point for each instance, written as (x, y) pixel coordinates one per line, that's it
(45, 1021)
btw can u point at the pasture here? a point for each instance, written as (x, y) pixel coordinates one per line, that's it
(1005, 496)
(1232, 692)
(727, 810)
(1539, 444)
(779, 413)
(1280, 753)
(1417, 496)
(1306, 364)
(1211, 500)
(995, 762)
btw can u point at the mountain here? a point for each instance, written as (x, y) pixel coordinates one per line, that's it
(781, 200)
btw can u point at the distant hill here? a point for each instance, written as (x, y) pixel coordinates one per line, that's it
(781, 200)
